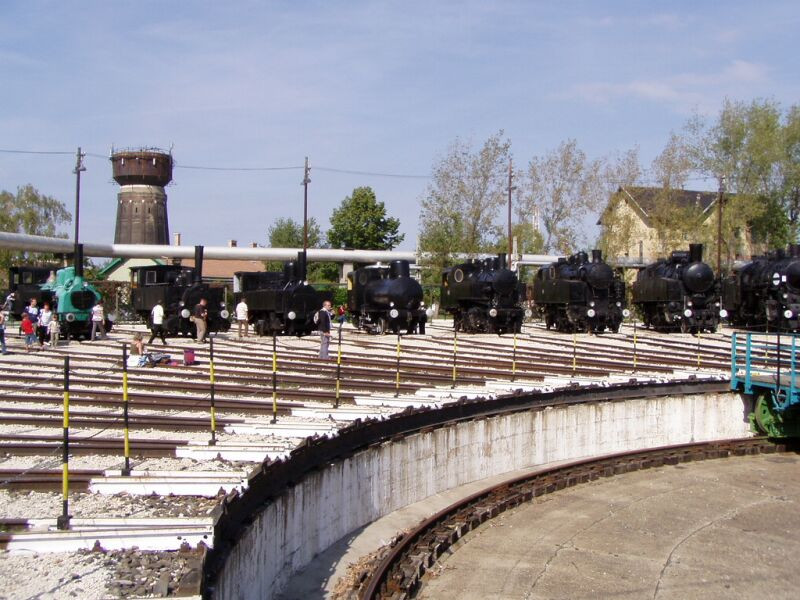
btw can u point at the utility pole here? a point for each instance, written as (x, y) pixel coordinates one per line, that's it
(78, 169)
(719, 224)
(306, 181)
(510, 233)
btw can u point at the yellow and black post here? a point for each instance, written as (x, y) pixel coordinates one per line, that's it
(514, 359)
(397, 370)
(213, 440)
(126, 426)
(455, 353)
(338, 369)
(63, 521)
(634, 346)
(274, 379)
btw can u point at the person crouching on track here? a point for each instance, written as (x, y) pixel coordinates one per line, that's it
(201, 320)
(98, 321)
(29, 331)
(157, 323)
(242, 316)
(324, 328)
(54, 330)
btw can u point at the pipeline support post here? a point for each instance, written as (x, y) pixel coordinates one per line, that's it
(126, 471)
(62, 522)
(274, 379)
(213, 441)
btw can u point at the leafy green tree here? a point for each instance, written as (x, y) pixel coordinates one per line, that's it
(462, 202)
(31, 212)
(288, 233)
(360, 223)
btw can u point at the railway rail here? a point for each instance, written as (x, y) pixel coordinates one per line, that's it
(399, 575)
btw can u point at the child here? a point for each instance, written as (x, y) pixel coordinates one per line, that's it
(29, 331)
(54, 328)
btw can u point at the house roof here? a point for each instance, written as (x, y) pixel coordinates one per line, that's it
(117, 263)
(644, 200)
(225, 268)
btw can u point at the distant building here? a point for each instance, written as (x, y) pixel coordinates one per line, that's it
(119, 269)
(636, 223)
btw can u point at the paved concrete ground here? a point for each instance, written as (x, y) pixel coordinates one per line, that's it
(717, 529)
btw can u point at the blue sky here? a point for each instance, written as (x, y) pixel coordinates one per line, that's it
(358, 86)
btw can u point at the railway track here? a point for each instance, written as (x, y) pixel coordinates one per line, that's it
(400, 573)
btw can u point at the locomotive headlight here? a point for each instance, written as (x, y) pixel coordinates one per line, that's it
(716, 304)
(222, 305)
(391, 303)
(224, 314)
(689, 303)
(687, 313)
(70, 317)
(619, 304)
(181, 303)
(528, 313)
(788, 314)
(492, 312)
(626, 313)
(723, 314)
(291, 315)
(112, 317)
(591, 303)
(590, 313)
(394, 313)
(185, 312)
(785, 296)
(429, 313)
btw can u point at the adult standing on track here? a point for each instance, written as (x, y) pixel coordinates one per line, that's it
(157, 323)
(324, 328)
(3, 332)
(201, 320)
(98, 320)
(242, 316)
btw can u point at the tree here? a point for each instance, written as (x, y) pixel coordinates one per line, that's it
(287, 233)
(360, 223)
(565, 186)
(461, 204)
(31, 212)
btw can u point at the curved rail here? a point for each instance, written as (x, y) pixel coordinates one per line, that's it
(400, 572)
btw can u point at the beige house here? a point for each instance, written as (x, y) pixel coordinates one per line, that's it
(646, 223)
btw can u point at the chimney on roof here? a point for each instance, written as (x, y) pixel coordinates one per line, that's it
(254, 244)
(176, 239)
(232, 243)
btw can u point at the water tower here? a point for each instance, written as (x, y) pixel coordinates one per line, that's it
(141, 201)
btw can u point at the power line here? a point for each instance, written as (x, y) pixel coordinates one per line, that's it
(371, 173)
(33, 152)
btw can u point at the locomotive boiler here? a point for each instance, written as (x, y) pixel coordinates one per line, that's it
(280, 302)
(579, 294)
(179, 289)
(765, 292)
(483, 296)
(383, 299)
(679, 293)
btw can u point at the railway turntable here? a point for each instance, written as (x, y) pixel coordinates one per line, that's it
(765, 367)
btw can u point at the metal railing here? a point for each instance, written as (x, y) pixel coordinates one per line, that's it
(766, 361)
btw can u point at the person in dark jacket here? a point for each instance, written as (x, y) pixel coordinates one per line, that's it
(201, 320)
(324, 328)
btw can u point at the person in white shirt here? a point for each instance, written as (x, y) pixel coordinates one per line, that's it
(157, 323)
(241, 316)
(45, 316)
(98, 320)
(54, 329)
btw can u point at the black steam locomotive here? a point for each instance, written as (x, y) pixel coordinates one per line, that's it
(382, 299)
(765, 292)
(576, 294)
(679, 293)
(279, 302)
(483, 296)
(179, 289)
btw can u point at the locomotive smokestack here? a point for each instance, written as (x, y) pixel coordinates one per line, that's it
(501, 259)
(290, 269)
(78, 260)
(198, 264)
(302, 266)
(695, 253)
(398, 269)
(597, 256)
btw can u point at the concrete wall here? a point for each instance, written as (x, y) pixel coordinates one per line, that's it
(331, 503)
